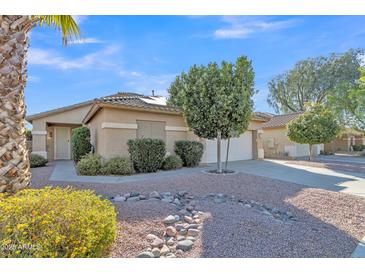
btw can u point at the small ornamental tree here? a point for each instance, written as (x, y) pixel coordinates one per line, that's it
(315, 126)
(215, 99)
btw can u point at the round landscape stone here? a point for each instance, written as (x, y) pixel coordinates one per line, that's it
(169, 220)
(145, 254)
(185, 245)
(171, 231)
(193, 232)
(156, 252)
(157, 242)
(155, 194)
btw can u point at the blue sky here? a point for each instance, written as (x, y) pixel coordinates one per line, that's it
(141, 53)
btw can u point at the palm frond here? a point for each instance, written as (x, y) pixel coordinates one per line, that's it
(64, 23)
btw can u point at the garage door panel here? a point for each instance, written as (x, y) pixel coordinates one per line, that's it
(240, 149)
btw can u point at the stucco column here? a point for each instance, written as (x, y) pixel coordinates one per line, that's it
(39, 139)
(259, 144)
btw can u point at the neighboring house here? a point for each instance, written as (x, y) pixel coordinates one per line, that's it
(345, 141)
(276, 143)
(115, 119)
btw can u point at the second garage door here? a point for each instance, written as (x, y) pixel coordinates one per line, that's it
(240, 149)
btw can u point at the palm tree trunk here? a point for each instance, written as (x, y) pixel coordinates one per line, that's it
(219, 160)
(227, 154)
(14, 160)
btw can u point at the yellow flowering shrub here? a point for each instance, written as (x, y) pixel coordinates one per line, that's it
(55, 222)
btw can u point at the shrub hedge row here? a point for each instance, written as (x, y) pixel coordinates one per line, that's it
(190, 152)
(147, 155)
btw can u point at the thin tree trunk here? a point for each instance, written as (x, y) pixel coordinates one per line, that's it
(310, 153)
(219, 160)
(227, 154)
(14, 160)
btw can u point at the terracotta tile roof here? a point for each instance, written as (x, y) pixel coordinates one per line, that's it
(280, 120)
(138, 101)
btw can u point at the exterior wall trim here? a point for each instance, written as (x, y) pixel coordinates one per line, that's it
(39, 132)
(119, 125)
(172, 128)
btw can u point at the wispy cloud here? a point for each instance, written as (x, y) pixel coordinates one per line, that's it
(242, 27)
(95, 60)
(90, 40)
(145, 83)
(33, 79)
(79, 19)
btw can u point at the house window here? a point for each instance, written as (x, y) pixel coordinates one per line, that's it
(151, 129)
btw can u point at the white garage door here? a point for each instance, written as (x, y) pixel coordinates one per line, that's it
(239, 149)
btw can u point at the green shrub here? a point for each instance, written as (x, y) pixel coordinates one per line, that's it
(190, 152)
(89, 164)
(147, 154)
(172, 162)
(28, 134)
(358, 147)
(50, 223)
(118, 166)
(37, 160)
(80, 142)
(322, 152)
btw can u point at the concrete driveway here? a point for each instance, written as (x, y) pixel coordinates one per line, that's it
(325, 178)
(330, 179)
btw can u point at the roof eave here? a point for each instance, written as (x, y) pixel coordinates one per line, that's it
(98, 105)
(36, 116)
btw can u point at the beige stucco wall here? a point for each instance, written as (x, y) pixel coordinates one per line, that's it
(42, 139)
(280, 140)
(111, 142)
(282, 146)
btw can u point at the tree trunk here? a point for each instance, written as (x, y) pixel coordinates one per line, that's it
(310, 153)
(219, 160)
(14, 160)
(227, 154)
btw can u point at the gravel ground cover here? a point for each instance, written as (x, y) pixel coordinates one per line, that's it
(327, 224)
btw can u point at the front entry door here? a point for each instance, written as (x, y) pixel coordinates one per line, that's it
(62, 143)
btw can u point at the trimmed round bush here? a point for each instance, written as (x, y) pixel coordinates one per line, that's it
(89, 164)
(55, 222)
(172, 162)
(118, 166)
(147, 154)
(190, 152)
(37, 160)
(80, 142)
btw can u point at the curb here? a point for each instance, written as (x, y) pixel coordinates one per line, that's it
(359, 251)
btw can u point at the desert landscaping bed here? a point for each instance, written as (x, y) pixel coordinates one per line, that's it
(239, 216)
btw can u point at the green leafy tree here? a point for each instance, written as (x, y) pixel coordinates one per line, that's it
(316, 125)
(216, 100)
(313, 80)
(349, 103)
(14, 31)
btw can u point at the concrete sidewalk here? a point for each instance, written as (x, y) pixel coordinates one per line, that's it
(64, 171)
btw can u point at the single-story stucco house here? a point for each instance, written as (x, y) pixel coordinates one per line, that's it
(276, 143)
(115, 119)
